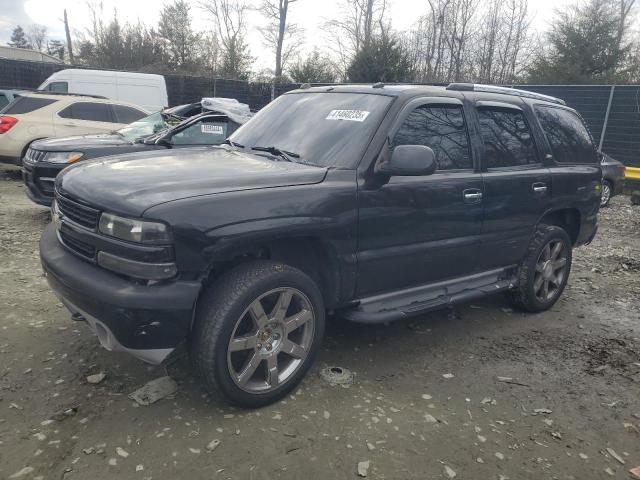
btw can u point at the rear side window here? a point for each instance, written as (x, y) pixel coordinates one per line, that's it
(127, 114)
(442, 128)
(4, 101)
(204, 132)
(507, 138)
(89, 111)
(27, 105)
(568, 137)
(61, 87)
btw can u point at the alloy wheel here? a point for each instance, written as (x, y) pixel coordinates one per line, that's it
(551, 270)
(605, 194)
(270, 340)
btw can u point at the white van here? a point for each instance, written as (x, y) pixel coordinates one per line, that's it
(144, 89)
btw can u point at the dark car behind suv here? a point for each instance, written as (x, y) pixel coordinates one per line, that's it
(45, 159)
(377, 203)
(612, 178)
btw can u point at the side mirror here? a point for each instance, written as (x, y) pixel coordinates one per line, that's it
(409, 160)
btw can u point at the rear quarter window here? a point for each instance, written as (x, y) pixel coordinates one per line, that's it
(568, 137)
(4, 101)
(27, 105)
(126, 114)
(89, 111)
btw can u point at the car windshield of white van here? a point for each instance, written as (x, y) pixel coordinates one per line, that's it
(144, 127)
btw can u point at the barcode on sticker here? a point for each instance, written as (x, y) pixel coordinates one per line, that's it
(206, 128)
(352, 115)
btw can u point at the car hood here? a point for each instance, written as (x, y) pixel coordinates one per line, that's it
(130, 184)
(79, 143)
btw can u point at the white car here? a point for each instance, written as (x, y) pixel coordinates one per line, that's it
(35, 116)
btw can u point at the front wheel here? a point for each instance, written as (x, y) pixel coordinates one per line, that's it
(545, 270)
(257, 332)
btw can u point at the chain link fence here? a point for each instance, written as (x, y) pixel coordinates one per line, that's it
(611, 111)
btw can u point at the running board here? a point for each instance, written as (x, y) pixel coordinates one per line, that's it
(388, 307)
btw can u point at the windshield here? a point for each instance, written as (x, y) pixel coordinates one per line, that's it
(144, 127)
(323, 128)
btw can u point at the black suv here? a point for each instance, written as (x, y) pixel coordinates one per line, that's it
(373, 202)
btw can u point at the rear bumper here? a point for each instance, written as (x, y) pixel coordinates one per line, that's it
(145, 321)
(617, 186)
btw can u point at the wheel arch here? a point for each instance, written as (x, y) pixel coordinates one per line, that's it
(569, 219)
(311, 255)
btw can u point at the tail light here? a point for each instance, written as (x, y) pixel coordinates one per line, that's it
(6, 123)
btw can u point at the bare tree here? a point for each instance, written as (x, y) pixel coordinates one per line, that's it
(625, 7)
(455, 40)
(37, 35)
(284, 37)
(359, 22)
(229, 17)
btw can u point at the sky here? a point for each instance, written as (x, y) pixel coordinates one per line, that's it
(310, 14)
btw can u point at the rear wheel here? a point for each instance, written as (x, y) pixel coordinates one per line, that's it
(605, 194)
(257, 332)
(544, 272)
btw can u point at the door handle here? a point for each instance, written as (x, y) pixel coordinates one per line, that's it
(539, 187)
(472, 195)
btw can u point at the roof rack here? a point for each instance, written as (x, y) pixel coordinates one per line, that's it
(473, 87)
(45, 92)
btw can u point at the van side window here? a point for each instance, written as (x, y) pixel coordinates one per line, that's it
(507, 138)
(62, 87)
(443, 129)
(568, 137)
(93, 112)
(126, 114)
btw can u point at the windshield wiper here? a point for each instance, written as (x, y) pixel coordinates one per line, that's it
(233, 144)
(287, 156)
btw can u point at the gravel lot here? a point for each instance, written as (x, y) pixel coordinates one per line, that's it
(570, 411)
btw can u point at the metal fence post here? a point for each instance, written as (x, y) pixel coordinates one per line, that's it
(606, 118)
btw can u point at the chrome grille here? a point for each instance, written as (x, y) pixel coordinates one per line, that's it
(76, 212)
(81, 248)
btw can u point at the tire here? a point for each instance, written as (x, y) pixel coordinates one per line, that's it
(269, 354)
(529, 295)
(606, 193)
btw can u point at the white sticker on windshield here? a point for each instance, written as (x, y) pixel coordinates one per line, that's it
(352, 115)
(214, 129)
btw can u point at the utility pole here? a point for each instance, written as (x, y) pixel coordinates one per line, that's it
(66, 30)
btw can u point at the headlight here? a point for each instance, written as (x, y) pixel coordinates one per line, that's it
(62, 157)
(134, 230)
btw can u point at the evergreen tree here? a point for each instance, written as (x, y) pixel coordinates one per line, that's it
(382, 59)
(180, 41)
(19, 38)
(585, 46)
(56, 48)
(313, 69)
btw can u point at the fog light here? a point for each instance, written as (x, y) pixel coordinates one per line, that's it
(132, 268)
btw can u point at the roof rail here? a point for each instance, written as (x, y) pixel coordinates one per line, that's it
(474, 87)
(65, 94)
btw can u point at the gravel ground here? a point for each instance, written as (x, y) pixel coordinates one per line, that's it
(476, 392)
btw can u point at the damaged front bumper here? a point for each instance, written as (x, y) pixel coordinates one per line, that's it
(147, 321)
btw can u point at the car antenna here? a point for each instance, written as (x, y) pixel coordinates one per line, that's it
(304, 86)
(378, 85)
